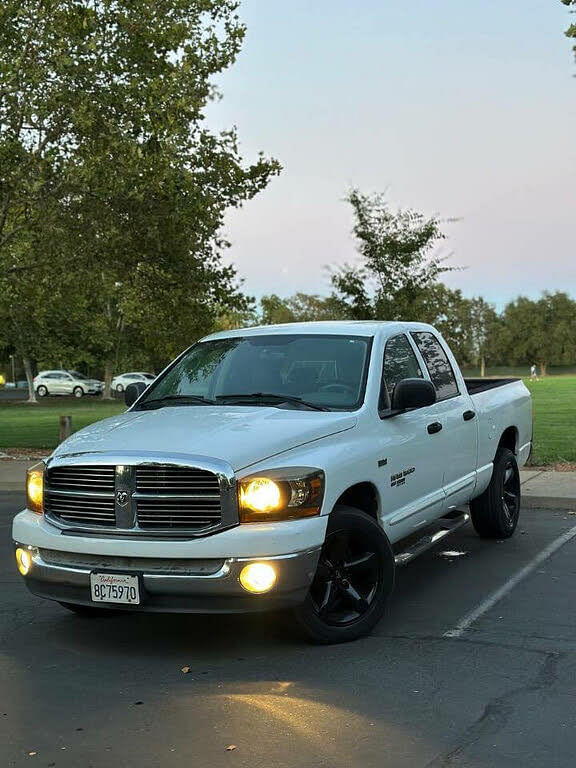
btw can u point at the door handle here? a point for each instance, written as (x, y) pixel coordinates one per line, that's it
(434, 428)
(468, 415)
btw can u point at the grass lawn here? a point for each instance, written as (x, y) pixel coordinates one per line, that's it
(36, 426)
(554, 401)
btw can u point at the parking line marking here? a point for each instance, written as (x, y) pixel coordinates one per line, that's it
(466, 622)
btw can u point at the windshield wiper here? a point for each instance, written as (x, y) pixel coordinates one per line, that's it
(266, 397)
(158, 402)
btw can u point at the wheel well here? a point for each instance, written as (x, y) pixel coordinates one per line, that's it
(361, 496)
(509, 439)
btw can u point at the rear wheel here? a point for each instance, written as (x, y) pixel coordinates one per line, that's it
(42, 391)
(495, 513)
(78, 392)
(353, 581)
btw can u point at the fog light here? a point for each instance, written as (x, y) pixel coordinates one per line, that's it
(257, 577)
(24, 561)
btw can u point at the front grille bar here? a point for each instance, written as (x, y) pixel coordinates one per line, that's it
(192, 499)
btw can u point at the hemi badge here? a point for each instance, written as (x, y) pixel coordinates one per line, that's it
(382, 462)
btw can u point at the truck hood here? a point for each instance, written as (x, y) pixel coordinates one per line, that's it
(239, 435)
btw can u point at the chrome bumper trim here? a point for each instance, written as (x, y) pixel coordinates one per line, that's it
(177, 591)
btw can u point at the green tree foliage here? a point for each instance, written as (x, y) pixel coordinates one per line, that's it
(571, 31)
(539, 331)
(302, 307)
(101, 118)
(398, 261)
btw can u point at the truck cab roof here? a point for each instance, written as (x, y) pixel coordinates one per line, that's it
(340, 327)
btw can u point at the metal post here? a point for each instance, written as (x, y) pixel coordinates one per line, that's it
(65, 427)
(13, 370)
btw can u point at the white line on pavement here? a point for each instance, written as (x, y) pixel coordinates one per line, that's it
(469, 619)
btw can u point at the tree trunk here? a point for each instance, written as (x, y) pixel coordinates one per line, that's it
(108, 379)
(543, 369)
(29, 379)
(482, 366)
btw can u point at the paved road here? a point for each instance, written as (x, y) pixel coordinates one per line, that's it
(109, 692)
(13, 394)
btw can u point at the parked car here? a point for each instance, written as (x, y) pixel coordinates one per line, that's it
(66, 383)
(119, 383)
(292, 466)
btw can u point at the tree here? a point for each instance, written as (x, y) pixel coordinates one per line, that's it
(300, 308)
(398, 261)
(540, 331)
(482, 323)
(571, 31)
(103, 105)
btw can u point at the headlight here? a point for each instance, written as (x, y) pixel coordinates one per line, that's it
(35, 488)
(281, 494)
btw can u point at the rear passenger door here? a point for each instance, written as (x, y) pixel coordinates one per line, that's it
(411, 486)
(454, 418)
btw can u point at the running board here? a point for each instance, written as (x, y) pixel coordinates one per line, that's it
(448, 525)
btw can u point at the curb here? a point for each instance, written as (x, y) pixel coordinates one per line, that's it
(563, 503)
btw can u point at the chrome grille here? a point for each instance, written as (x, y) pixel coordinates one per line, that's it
(176, 480)
(138, 499)
(81, 494)
(82, 478)
(177, 497)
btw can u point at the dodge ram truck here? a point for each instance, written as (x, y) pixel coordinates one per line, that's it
(282, 467)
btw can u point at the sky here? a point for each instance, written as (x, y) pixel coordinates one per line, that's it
(464, 110)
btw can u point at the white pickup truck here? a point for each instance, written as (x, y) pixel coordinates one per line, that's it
(291, 466)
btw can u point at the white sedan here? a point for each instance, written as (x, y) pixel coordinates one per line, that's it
(66, 383)
(119, 383)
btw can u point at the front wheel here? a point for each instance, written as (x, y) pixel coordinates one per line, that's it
(495, 513)
(78, 392)
(119, 388)
(353, 582)
(42, 391)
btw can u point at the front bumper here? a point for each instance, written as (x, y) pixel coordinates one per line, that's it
(184, 586)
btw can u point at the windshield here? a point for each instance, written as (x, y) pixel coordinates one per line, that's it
(326, 371)
(78, 375)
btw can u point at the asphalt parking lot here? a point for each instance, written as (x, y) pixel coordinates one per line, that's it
(110, 691)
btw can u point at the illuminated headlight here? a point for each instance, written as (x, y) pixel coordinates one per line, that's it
(23, 561)
(258, 577)
(281, 494)
(35, 488)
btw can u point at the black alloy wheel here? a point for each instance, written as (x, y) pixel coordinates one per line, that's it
(511, 492)
(495, 513)
(353, 581)
(347, 578)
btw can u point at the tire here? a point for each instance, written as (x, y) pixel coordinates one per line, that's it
(89, 611)
(42, 391)
(119, 388)
(353, 582)
(78, 392)
(495, 513)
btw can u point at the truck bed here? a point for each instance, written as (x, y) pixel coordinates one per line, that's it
(475, 386)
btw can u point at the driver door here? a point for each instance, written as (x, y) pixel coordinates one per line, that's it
(411, 486)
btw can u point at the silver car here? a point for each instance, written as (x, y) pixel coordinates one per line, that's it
(120, 382)
(66, 383)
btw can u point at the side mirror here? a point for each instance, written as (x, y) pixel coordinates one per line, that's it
(413, 393)
(133, 392)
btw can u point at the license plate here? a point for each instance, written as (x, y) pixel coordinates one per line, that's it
(115, 588)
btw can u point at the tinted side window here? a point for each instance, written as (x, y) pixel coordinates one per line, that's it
(438, 364)
(400, 362)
